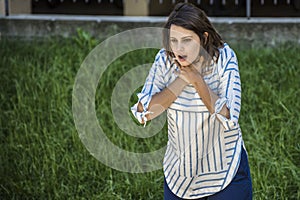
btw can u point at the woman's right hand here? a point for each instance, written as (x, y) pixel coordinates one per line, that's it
(179, 73)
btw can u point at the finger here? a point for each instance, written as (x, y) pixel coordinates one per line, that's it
(201, 59)
(188, 69)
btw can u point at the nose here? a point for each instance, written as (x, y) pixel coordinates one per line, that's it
(179, 47)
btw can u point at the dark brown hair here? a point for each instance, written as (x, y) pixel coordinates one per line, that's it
(193, 18)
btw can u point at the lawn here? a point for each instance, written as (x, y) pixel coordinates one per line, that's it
(42, 156)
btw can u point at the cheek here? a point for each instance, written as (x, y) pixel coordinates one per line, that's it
(194, 51)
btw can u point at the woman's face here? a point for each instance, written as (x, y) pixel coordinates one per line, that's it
(185, 44)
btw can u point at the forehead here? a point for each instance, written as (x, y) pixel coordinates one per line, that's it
(178, 31)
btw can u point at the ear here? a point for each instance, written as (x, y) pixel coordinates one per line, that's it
(205, 34)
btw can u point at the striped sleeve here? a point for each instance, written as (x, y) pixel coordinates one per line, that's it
(154, 84)
(229, 89)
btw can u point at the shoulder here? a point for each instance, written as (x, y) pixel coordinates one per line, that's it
(162, 60)
(161, 56)
(226, 53)
(227, 60)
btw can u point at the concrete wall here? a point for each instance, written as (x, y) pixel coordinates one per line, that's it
(17, 6)
(255, 31)
(2, 7)
(136, 8)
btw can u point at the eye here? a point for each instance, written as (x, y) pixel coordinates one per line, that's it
(173, 40)
(186, 40)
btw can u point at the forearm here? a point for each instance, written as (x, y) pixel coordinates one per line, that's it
(161, 101)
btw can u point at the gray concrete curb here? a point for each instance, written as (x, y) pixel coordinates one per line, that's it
(255, 31)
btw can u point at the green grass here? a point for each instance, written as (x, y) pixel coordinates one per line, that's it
(42, 156)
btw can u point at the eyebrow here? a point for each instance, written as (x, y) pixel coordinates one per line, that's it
(189, 36)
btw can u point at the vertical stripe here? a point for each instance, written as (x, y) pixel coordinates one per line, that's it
(196, 138)
(202, 133)
(208, 147)
(228, 85)
(190, 146)
(178, 139)
(225, 51)
(192, 132)
(220, 147)
(163, 59)
(183, 141)
(214, 153)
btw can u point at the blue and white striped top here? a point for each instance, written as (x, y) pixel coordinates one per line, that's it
(203, 150)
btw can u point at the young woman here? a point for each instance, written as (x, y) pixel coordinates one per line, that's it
(196, 79)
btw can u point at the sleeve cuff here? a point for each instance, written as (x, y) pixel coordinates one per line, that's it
(228, 124)
(140, 116)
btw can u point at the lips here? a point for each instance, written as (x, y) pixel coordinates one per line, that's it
(182, 58)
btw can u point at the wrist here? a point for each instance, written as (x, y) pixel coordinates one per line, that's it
(197, 78)
(181, 80)
(177, 86)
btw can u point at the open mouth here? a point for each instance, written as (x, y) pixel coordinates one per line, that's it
(182, 58)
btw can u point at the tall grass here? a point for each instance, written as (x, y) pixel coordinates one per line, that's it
(269, 118)
(42, 156)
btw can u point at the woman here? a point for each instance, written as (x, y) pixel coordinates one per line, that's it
(196, 79)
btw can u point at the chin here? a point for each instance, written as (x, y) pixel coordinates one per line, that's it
(184, 64)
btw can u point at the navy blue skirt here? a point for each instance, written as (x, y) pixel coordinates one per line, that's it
(239, 189)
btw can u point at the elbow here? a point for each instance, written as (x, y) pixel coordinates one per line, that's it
(225, 112)
(140, 107)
